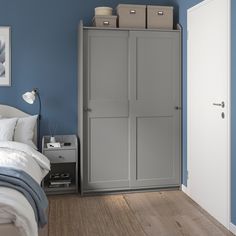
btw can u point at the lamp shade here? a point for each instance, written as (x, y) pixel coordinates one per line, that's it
(29, 97)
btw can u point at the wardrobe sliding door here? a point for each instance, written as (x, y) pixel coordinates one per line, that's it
(154, 114)
(106, 111)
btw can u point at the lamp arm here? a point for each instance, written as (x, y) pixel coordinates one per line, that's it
(39, 117)
(39, 105)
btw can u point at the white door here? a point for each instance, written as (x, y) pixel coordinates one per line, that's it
(209, 107)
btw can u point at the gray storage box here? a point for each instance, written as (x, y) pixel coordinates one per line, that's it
(159, 17)
(131, 16)
(105, 21)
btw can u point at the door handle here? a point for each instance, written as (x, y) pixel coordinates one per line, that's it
(222, 104)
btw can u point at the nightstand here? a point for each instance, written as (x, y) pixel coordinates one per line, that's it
(63, 177)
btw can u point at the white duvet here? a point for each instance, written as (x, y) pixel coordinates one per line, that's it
(14, 207)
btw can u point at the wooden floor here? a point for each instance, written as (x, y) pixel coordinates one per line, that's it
(169, 213)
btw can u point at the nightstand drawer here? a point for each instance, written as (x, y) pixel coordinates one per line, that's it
(61, 156)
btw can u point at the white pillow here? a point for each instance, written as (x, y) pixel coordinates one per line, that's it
(7, 127)
(24, 131)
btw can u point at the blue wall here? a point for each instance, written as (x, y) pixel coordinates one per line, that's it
(183, 6)
(44, 55)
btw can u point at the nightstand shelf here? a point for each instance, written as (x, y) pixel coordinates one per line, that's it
(64, 161)
(61, 190)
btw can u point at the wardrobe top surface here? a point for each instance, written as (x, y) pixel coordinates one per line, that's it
(130, 29)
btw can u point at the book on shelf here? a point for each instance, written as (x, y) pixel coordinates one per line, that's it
(53, 182)
(59, 176)
(59, 186)
(59, 183)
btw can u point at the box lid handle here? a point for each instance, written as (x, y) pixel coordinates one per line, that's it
(132, 11)
(160, 13)
(106, 23)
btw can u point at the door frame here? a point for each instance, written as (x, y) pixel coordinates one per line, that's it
(205, 2)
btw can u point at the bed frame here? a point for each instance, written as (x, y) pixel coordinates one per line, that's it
(10, 229)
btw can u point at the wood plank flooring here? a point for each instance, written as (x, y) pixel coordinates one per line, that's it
(169, 213)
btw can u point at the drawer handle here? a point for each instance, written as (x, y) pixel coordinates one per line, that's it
(160, 13)
(132, 11)
(61, 157)
(106, 23)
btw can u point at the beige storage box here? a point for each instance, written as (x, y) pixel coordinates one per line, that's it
(131, 16)
(159, 17)
(105, 21)
(103, 11)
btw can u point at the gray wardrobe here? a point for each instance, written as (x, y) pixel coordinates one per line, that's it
(129, 104)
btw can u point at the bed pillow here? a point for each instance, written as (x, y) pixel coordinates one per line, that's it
(24, 131)
(7, 127)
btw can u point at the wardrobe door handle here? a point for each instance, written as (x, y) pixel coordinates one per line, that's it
(178, 108)
(86, 109)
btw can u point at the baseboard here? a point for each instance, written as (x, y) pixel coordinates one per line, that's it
(232, 228)
(184, 189)
(128, 190)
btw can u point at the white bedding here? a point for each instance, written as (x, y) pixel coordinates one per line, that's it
(14, 207)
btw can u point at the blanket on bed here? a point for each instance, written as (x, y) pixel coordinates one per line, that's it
(24, 183)
(14, 206)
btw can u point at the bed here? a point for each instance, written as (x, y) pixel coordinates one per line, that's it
(9, 228)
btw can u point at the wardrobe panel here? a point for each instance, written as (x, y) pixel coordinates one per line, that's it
(155, 121)
(107, 110)
(109, 149)
(108, 60)
(154, 69)
(154, 153)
